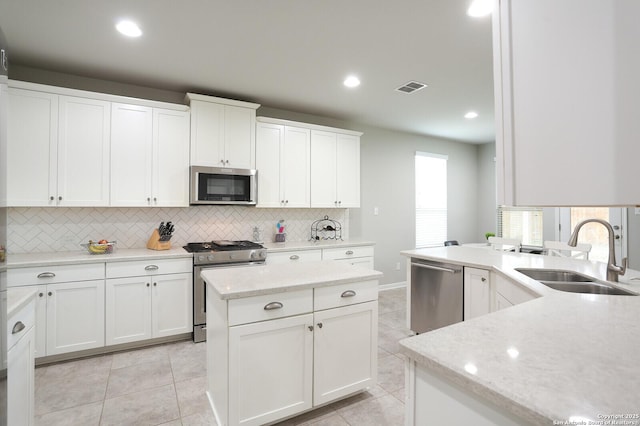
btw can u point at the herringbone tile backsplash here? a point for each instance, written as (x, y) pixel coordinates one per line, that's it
(46, 229)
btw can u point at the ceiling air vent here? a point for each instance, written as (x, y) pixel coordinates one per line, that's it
(410, 87)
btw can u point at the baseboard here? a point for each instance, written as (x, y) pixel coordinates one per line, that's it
(391, 286)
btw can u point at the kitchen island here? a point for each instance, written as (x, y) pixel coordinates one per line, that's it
(287, 338)
(562, 357)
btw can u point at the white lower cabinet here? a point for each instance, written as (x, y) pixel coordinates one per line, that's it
(477, 292)
(69, 317)
(356, 256)
(149, 305)
(21, 365)
(294, 256)
(508, 293)
(290, 352)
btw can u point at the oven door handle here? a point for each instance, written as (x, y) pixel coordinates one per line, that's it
(272, 306)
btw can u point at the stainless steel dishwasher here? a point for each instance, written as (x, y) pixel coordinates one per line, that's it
(437, 293)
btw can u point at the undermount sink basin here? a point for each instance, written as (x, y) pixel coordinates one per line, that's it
(554, 275)
(572, 282)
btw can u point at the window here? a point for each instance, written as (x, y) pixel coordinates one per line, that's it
(523, 223)
(431, 199)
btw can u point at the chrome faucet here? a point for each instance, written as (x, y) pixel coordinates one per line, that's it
(613, 270)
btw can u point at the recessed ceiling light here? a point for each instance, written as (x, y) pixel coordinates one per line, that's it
(480, 8)
(129, 28)
(470, 115)
(352, 81)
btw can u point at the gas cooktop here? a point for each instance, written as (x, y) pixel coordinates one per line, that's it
(221, 245)
(226, 252)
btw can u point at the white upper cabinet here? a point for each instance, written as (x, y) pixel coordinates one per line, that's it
(566, 102)
(149, 156)
(222, 132)
(283, 163)
(335, 171)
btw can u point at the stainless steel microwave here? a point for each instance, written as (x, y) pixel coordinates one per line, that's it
(223, 185)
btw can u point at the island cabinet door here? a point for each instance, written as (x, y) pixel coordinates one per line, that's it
(345, 351)
(270, 369)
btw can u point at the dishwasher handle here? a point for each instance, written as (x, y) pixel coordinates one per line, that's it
(436, 268)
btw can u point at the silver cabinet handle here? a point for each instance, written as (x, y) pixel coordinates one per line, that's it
(319, 325)
(348, 293)
(294, 257)
(272, 306)
(40, 294)
(437, 268)
(155, 199)
(151, 268)
(46, 275)
(148, 284)
(60, 198)
(18, 327)
(52, 198)
(50, 294)
(348, 252)
(483, 279)
(148, 199)
(310, 327)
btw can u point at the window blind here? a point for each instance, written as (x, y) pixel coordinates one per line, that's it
(431, 199)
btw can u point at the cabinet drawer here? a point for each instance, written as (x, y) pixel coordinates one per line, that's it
(26, 316)
(55, 274)
(512, 291)
(148, 267)
(294, 256)
(270, 306)
(344, 294)
(346, 252)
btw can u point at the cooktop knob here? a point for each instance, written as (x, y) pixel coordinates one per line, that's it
(200, 258)
(210, 257)
(263, 254)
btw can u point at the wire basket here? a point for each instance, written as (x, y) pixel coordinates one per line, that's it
(326, 229)
(97, 248)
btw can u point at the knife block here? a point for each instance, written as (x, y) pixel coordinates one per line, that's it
(154, 242)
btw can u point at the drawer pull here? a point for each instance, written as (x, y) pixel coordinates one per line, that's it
(348, 293)
(151, 268)
(46, 275)
(294, 257)
(18, 327)
(348, 252)
(319, 325)
(272, 306)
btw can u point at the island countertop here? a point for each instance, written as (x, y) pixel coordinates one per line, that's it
(560, 357)
(233, 283)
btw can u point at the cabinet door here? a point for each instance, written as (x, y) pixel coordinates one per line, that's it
(131, 155)
(364, 262)
(295, 171)
(477, 293)
(75, 316)
(240, 137)
(32, 143)
(323, 169)
(83, 152)
(170, 185)
(348, 171)
(345, 351)
(207, 134)
(270, 366)
(172, 304)
(127, 310)
(20, 381)
(502, 302)
(41, 322)
(268, 142)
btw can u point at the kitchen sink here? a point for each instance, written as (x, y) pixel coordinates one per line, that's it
(586, 287)
(554, 275)
(572, 282)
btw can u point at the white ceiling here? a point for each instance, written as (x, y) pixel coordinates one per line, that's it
(287, 54)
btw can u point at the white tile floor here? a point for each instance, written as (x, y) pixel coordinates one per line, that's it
(165, 385)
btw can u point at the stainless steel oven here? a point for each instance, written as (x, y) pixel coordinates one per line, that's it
(217, 254)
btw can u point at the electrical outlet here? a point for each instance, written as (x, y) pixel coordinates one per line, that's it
(398, 266)
(638, 210)
(375, 211)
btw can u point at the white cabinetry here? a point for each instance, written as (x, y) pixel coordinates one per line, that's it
(59, 150)
(148, 299)
(477, 292)
(21, 366)
(294, 256)
(508, 293)
(222, 132)
(357, 255)
(284, 164)
(149, 156)
(335, 171)
(585, 140)
(314, 346)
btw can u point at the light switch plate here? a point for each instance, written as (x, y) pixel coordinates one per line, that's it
(638, 210)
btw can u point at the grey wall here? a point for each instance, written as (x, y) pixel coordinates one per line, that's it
(387, 175)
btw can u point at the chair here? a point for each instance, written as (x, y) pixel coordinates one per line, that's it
(562, 249)
(451, 243)
(505, 244)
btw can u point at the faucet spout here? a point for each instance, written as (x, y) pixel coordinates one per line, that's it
(613, 270)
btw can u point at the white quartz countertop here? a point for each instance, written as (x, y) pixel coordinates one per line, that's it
(27, 260)
(233, 283)
(18, 297)
(558, 357)
(311, 245)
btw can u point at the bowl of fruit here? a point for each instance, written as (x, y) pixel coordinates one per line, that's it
(100, 247)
